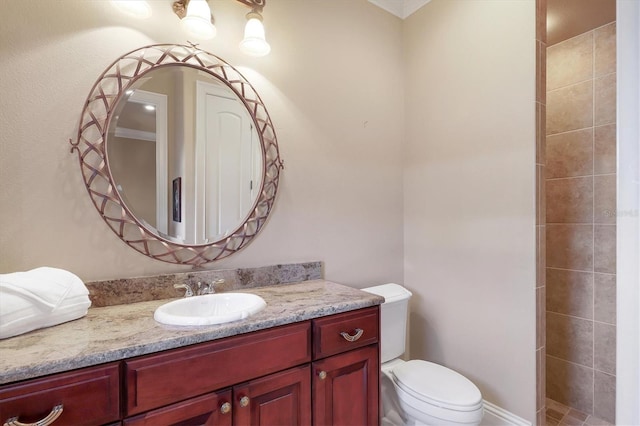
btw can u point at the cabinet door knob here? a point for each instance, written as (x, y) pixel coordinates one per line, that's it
(244, 401)
(349, 338)
(46, 421)
(225, 408)
(322, 375)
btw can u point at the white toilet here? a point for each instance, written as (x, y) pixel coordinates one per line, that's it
(418, 392)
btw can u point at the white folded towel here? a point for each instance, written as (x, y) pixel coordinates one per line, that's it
(40, 298)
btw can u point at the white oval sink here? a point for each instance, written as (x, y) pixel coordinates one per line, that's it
(209, 309)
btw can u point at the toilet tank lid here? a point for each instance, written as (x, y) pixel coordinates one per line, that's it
(391, 292)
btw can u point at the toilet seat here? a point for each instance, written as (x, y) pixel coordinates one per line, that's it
(438, 385)
(433, 390)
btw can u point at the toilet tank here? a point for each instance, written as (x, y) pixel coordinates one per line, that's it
(393, 318)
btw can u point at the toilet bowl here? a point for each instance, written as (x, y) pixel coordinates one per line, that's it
(418, 392)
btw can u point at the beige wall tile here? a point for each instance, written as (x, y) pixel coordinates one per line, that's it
(604, 286)
(570, 62)
(605, 100)
(541, 322)
(605, 149)
(540, 379)
(570, 200)
(574, 148)
(570, 384)
(541, 133)
(541, 192)
(570, 246)
(541, 20)
(604, 199)
(541, 71)
(570, 154)
(570, 292)
(604, 253)
(571, 107)
(604, 402)
(605, 50)
(604, 347)
(570, 338)
(541, 260)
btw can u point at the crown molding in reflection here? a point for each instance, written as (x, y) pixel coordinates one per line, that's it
(400, 8)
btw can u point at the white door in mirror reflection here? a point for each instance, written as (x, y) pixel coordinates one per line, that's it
(228, 163)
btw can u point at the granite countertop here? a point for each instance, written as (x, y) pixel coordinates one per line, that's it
(117, 332)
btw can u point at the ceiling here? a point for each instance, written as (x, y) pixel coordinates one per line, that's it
(568, 18)
(565, 18)
(400, 8)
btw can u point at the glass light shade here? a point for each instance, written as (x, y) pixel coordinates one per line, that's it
(197, 22)
(254, 43)
(137, 8)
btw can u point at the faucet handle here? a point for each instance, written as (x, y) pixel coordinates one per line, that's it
(188, 290)
(209, 288)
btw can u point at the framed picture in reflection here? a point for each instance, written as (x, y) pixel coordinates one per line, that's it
(177, 199)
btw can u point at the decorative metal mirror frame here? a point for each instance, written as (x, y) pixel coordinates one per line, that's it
(92, 153)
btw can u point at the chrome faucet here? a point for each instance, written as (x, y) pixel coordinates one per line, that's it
(188, 290)
(202, 289)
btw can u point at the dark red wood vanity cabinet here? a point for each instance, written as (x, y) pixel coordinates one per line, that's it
(317, 372)
(89, 396)
(266, 374)
(346, 369)
(321, 372)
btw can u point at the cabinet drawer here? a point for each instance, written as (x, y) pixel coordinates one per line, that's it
(207, 410)
(88, 397)
(156, 380)
(343, 332)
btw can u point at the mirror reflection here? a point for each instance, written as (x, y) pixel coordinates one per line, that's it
(185, 156)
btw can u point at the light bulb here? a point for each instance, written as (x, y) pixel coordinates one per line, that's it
(197, 21)
(254, 42)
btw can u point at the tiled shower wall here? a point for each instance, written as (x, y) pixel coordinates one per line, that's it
(580, 222)
(541, 96)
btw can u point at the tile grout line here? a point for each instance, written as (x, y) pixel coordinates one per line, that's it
(581, 318)
(593, 168)
(580, 270)
(580, 176)
(612, 123)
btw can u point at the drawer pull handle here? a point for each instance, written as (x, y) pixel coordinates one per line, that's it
(322, 375)
(350, 338)
(244, 401)
(51, 417)
(225, 408)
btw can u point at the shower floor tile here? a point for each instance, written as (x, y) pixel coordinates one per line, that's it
(560, 415)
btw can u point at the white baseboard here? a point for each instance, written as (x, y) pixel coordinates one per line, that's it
(497, 416)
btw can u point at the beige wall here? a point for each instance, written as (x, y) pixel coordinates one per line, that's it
(337, 83)
(334, 91)
(581, 222)
(470, 193)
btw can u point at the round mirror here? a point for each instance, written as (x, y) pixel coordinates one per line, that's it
(185, 155)
(178, 154)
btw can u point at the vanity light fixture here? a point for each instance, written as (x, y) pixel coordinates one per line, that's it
(254, 43)
(196, 19)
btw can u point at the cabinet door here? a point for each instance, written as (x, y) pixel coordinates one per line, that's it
(213, 409)
(345, 388)
(278, 399)
(89, 396)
